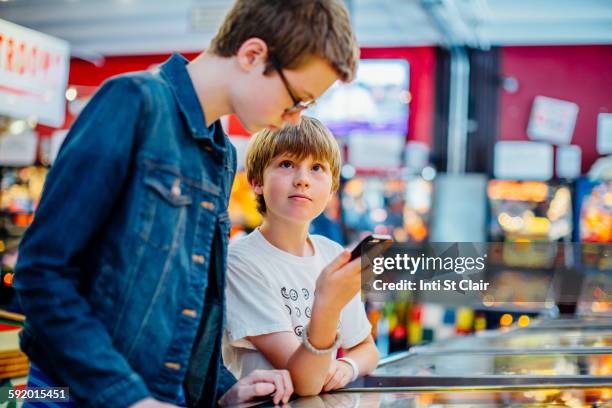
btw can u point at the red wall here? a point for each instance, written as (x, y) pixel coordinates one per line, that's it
(422, 77)
(579, 74)
(85, 73)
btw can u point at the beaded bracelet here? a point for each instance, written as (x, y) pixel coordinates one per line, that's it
(315, 350)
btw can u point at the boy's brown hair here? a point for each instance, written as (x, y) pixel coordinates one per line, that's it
(294, 30)
(309, 138)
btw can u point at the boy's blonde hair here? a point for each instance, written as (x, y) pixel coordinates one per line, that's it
(294, 30)
(309, 138)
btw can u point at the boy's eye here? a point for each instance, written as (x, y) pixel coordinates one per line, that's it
(317, 167)
(286, 164)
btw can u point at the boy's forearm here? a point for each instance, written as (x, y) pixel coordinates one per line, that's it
(308, 370)
(323, 326)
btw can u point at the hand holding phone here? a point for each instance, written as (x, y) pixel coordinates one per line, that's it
(385, 242)
(340, 281)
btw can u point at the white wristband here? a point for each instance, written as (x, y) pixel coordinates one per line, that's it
(353, 365)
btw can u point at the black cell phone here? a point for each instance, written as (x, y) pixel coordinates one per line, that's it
(373, 239)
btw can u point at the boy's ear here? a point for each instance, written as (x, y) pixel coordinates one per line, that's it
(257, 189)
(252, 52)
(331, 195)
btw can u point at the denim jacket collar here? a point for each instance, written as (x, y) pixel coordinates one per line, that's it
(175, 72)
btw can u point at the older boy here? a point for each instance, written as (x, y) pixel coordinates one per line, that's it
(287, 306)
(121, 275)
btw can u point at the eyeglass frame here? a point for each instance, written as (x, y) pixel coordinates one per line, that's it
(298, 104)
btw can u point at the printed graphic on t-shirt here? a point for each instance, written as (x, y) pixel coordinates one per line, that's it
(298, 303)
(284, 293)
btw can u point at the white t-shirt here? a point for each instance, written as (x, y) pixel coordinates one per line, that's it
(269, 290)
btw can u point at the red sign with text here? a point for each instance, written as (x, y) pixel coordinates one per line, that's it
(33, 74)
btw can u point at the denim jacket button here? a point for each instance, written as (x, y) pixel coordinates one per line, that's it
(197, 258)
(176, 188)
(208, 205)
(190, 312)
(172, 365)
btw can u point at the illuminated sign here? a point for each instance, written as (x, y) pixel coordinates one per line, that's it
(33, 74)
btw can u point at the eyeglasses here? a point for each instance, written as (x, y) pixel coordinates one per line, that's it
(298, 104)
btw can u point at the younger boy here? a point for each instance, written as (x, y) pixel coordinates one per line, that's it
(121, 275)
(286, 305)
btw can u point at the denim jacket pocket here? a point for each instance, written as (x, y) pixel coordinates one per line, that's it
(172, 195)
(165, 208)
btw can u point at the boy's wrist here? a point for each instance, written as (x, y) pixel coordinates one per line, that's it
(323, 325)
(325, 311)
(326, 304)
(326, 307)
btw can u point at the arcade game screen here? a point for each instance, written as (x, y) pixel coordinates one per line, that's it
(595, 222)
(396, 207)
(376, 101)
(529, 210)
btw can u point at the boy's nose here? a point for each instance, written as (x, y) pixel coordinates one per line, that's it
(301, 178)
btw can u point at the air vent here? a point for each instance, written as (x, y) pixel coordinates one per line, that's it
(206, 17)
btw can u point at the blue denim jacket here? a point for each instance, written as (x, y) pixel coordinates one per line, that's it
(113, 273)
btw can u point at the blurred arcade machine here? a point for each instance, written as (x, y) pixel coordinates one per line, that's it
(387, 188)
(32, 92)
(594, 214)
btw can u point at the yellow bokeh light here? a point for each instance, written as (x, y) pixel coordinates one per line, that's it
(506, 320)
(523, 321)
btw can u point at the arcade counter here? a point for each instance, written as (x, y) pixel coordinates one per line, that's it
(560, 363)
